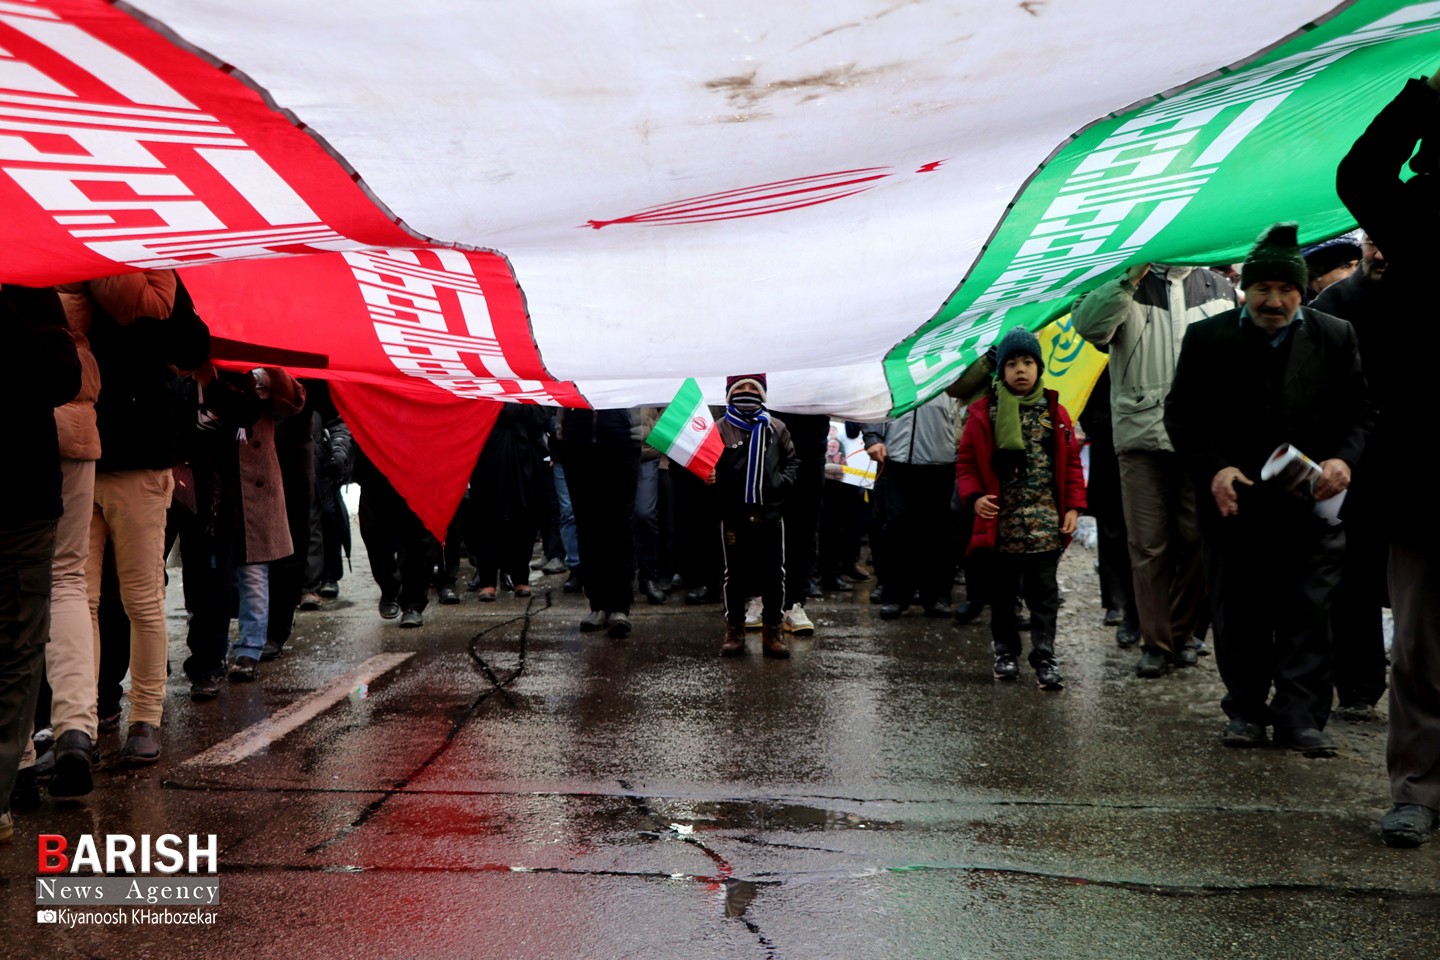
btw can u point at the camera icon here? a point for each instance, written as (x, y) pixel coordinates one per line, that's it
(47, 916)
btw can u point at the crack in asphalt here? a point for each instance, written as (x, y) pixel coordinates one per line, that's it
(403, 788)
(779, 878)
(498, 685)
(738, 893)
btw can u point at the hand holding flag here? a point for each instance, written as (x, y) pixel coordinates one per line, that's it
(686, 433)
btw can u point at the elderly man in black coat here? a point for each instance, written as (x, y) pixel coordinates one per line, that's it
(1249, 381)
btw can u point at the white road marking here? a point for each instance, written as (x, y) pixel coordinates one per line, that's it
(266, 732)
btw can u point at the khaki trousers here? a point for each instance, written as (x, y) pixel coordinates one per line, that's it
(129, 514)
(1165, 559)
(70, 654)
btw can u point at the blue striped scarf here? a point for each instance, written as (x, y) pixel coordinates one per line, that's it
(758, 426)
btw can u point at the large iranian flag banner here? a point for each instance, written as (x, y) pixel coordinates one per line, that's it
(1190, 177)
(584, 204)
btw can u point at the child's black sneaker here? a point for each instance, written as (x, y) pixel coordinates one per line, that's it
(1047, 674)
(1005, 667)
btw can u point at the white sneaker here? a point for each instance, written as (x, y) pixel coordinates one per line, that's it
(752, 613)
(797, 623)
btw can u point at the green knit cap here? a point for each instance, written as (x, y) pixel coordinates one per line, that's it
(1276, 256)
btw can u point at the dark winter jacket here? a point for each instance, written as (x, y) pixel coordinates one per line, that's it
(976, 476)
(779, 470)
(134, 352)
(1229, 407)
(1403, 218)
(44, 373)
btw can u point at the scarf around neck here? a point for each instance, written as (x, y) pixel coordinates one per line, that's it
(1008, 435)
(757, 424)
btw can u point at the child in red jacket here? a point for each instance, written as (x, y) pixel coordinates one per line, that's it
(1019, 469)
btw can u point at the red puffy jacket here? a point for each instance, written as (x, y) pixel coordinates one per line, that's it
(975, 466)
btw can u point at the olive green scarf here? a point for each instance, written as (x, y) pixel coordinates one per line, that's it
(1007, 415)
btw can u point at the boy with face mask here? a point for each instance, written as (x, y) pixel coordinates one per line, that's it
(755, 470)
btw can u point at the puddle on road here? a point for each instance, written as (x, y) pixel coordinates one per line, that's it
(772, 815)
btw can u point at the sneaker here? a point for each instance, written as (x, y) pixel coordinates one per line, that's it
(1406, 825)
(1006, 667)
(797, 622)
(329, 589)
(309, 600)
(1153, 663)
(74, 752)
(487, 595)
(772, 643)
(938, 610)
(752, 613)
(1047, 674)
(877, 594)
(891, 611)
(1114, 617)
(412, 618)
(202, 690)
(594, 620)
(389, 609)
(448, 596)
(142, 745)
(524, 592)
(246, 669)
(1243, 733)
(1186, 656)
(7, 826)
(619, 625)
(271, 651)
(553, 565)
(1202, 649)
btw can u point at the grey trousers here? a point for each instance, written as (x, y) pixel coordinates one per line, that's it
(1413, 753)
(26, 554)
(1165, 559)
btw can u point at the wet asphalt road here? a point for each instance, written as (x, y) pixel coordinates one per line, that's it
(514, 788)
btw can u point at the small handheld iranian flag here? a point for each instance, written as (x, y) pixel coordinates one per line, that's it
(686, 432)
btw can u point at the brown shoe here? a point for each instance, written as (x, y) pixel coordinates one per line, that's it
(734, 644)
(772, 642)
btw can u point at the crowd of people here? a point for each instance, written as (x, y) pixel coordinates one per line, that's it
(132, 439)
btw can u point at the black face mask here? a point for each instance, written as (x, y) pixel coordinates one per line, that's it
(747, 404)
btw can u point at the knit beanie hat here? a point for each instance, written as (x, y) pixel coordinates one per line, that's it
(1276, 256)
(1323, 257)
(756, 380)
(1019, 342)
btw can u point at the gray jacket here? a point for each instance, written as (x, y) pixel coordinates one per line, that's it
(925, 435)
(1143, 326)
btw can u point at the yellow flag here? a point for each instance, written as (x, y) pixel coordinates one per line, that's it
(1071, 365)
